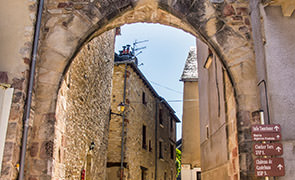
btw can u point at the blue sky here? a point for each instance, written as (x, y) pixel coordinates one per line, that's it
(163, 59)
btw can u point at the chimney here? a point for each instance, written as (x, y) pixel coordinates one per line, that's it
(128, 49)
(124, 49)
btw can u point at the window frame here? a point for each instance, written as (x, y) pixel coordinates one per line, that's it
(144, 145)
(161, 154)
(161, 118)
(143, 96)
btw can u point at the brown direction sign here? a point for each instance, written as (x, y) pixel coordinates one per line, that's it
(267, 128)
(266, 136)
(269, 167)
(270, 149)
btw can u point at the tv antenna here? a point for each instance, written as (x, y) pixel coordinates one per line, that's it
(134, 48)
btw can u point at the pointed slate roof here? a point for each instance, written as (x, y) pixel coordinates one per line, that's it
(190, 71)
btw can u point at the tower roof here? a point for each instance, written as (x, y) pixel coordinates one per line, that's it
(190, 71)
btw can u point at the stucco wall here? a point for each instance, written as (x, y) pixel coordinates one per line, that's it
(280, 65)
(83, 112)
(191, 125)
(16, 34)
(219, 146)
(17, 29)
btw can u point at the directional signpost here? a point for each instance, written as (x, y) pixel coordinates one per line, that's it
(275, 136)
(270, 128)
(268, 166)
(268, 149)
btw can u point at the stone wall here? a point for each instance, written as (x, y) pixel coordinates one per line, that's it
(66, 26)
(166, 165)
(137, 115)
(223, 25)
(82, 115)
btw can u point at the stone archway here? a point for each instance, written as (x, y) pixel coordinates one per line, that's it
(68, 26)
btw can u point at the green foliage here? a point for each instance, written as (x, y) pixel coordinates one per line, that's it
(178, 162)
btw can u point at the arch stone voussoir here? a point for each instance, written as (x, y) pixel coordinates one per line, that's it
(52, 60)
(69, 26)
(61, 40)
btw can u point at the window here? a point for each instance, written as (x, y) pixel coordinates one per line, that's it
(171, 151)
(150, 146)
(207, 132)
(143, 172)
(143, 98)
(198, 175)
(144, 137)
(160, 150)
(171, 124)
(161, 117)
(165, 176)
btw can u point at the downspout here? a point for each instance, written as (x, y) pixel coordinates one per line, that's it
(156, 138)
(123, 124)
(266, 99)
(30, 89)
(260, 61)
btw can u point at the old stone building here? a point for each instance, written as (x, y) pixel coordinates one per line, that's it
(253, 47)
(149, 126)
(190, 149)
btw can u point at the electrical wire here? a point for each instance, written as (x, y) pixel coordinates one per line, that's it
(172, 100)
(158, 84)
(166, 87)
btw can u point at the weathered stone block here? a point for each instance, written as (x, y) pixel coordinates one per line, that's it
(78, 25)
(242, 11)
(18, 83)
(5, 171)
(12, 130)
(41, 167)
(3, 77)
(61, 40)
(17, 97)
(8, 151)
(34, 149)
(46, 150)
(228, 10)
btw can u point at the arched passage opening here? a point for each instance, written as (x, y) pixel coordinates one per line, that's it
(67, 33)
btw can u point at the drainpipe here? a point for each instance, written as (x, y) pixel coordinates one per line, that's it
(156, 138)
(123, 124)
(30, 89)
(266, 99)
(260, 59)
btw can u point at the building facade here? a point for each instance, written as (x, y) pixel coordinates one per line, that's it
(190, 149)
(149, 127)
(217, 114)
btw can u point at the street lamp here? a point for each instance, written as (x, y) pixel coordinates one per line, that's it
(121, 109)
